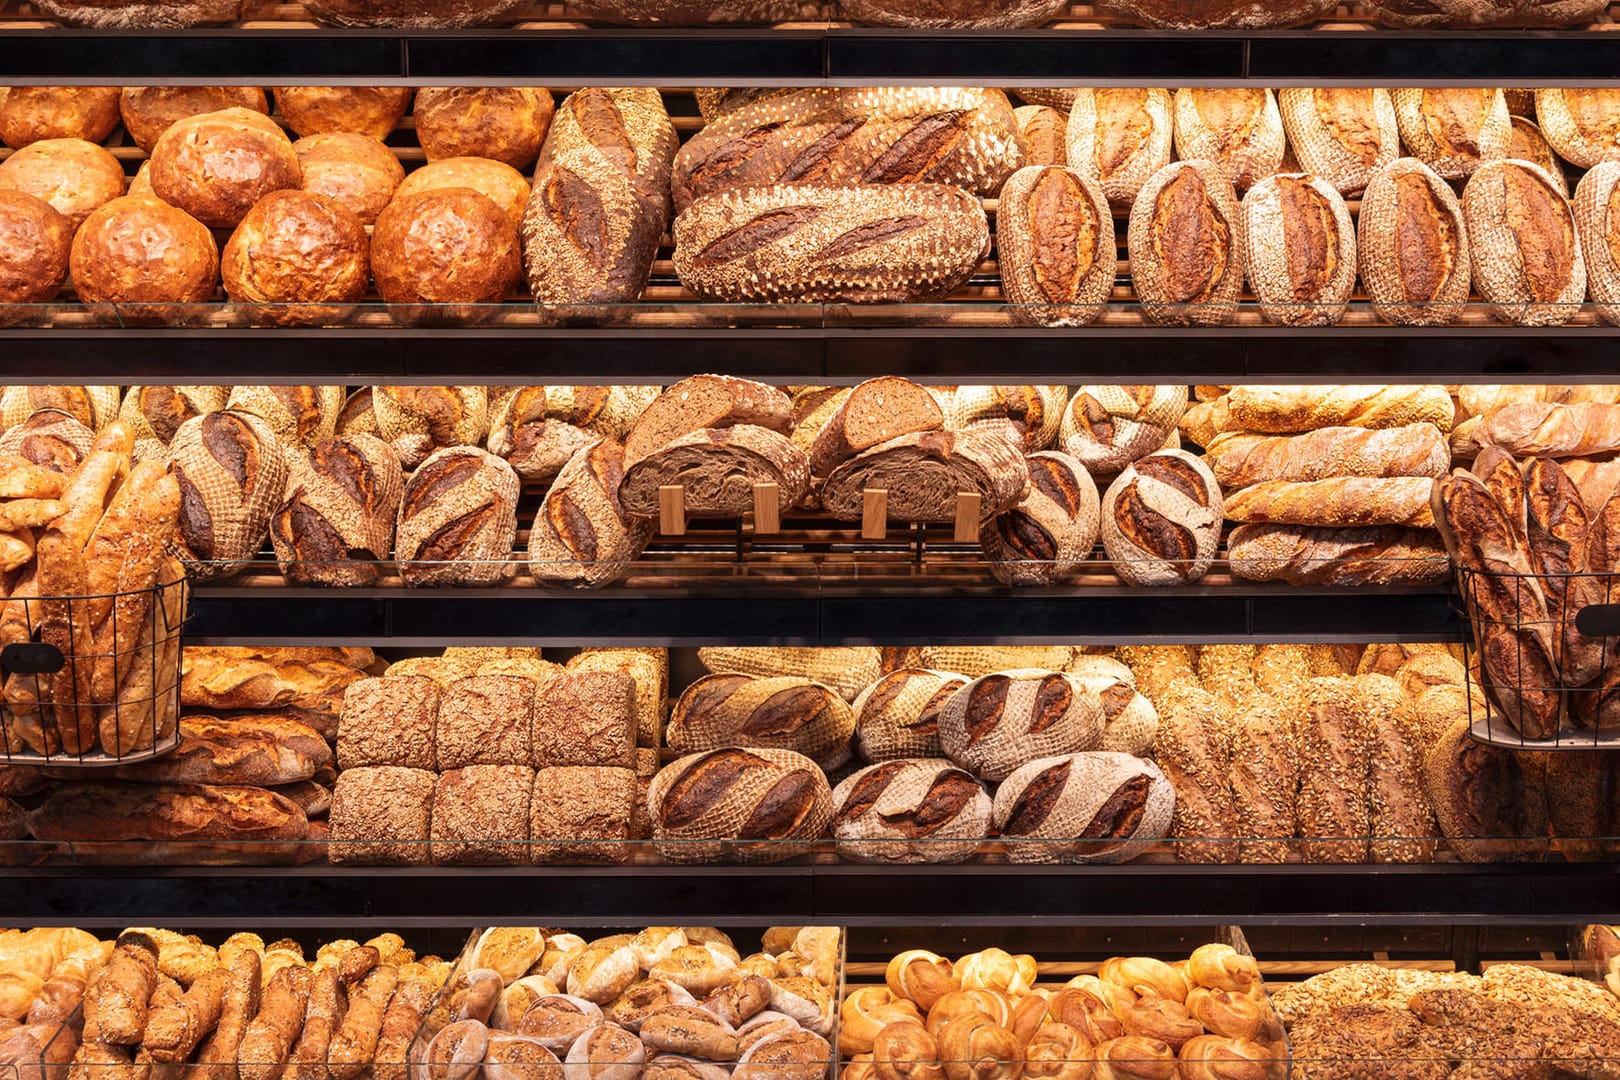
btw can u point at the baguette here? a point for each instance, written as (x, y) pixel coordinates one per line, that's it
(1056, 240)
(1453, 130)
(217, 1058)
(1120, 137)
(1239, 459)
(1597, 216)
(355, 1044)
(1542, 429)
(1557, 532)
(1307, 555)
(1238, 128)
(413, 997)
(1523, 244)
(1412, 244)
(1343, 134)
(321, 1016)
(1299, 249)
(1339, 501)
(1286, 409)
(1185, 246)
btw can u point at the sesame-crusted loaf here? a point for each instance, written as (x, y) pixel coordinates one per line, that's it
(458, 520)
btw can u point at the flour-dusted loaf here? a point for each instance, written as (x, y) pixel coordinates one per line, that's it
(815, 243)
(1453, 130)
(1120, 136)
(1529, 144)
(747, 804)
(1299, 249)
(232, 475)
(1185, 246)
(1579, 123)
(910, 810)
(418, 420)
(93, 406)
(235, 677)
(1045, 537)
(1523, 244)
(1309, 555)
(389, 721)
(786, 713)
(1413, 246)
(1106, 428)
(1161, 519)
(1101, 807)
(1027, 417)
(874, 412)
(581, 815)
(600, 200)
(246, 750)
(847, 669)
(1045, 134)
(336, 525)
(837, 136)
(717, 470)
(1237, 127)
(898, 715)
(1055, 244)
(538, 428)
(1342, 134)
(156, 412)
(997, 722)
(457, 520)
(1488, 808)
(1298, 408)
(50, 439)
(1597, 217)
(297, 414)
(581, 535)
(1337, 501)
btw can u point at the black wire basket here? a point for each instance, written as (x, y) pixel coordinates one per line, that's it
(92, 680)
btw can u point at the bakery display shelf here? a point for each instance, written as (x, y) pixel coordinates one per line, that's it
(1137, 895)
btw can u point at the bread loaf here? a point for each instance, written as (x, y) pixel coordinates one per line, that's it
(232, 475)
(874, 412)
(144, 14)
(419, 420)
(496, 180)
(31, 113)
(997, 722)
(1218, 14)
(1238, 459)
(139, 261)
(650, 670)
(1339, 501)
(1238, 128)
(35, 256)
(1264, 777)
(298, 415)
(834, 137)
(717, 470)
(336, 525)
(1579, 123)
(156, 412)
(600, 200)
(785, 713)
(538, 428)
(1559, 539)
(457, 520)
(704, 12)
(1475, 13)
(51, 439)
(1161, 520)
(226, 678)
(1106, 428)
(1412, 244)
(1193, 747)
(1100, 807)
(1334, 820)
(809, 243)
(911, 810)
(1453, 130)
(1045, 134)
(72, 175)
(1542, 429)
(1530, 145)
(1299, 249)
(92, 406)
(706, 401)
(935, 15)
(898, 715)
(480, 816)
(1028, 417)
(1055, 236)
(1308, 555)
(923, 474)
(1595, 207)
(1185, 249)
(506, 123)
(751, 805)
(1581, 804)
(581, 535)
(1283, 409)
(321, 110)
(247, 750)
(445, 257)
(1345, 135)
(1045, 538)
(355, 170)
(581, 815)
(155, 823)
(848, 670)
(1400, 822)
(216, 165)
(1487, 808)
(1120, 136)
(1523, 245)
(413, 14)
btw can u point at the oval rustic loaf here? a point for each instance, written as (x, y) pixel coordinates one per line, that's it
(1413, 14)
(232, 475)
(457, 520)
(1120, 136)
(997, 722)
(538, 428)
(1161, 520)
(299, 415)
(874, 412)
(1342, 134)
(717, 470)
(848, 669)
(1580, 123)
(144, 14)
(911, 810)
(1310, 555)
(1597, 216)
(1045, 134)
(872, 243)
(1236, 127)
(753, 805)
(1028, 417)
(1453, 130)
(1055, 238)
(1299, 250)
(1523, 245)
(1529, 144)
(704, 12)
(156, 412)
(1186, 258)
(898, 715)
(786, 713)
(336, 526)
(581, 535)
(924, 473)
(1102, 807)
(1046, 537)
(1106, 428)
(1412, 244)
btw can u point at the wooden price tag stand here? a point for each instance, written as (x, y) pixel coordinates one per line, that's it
(875, 515)
(672, 510)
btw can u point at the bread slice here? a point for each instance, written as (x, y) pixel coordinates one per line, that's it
(706, 401)
(874, 412)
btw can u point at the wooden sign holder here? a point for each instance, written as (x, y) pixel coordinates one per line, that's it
(672, 510)
(875, 515)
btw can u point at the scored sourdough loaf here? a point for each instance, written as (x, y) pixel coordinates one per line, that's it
(538, 428)
(1056, 249)
(813, 243)
(1336, 501)
(847, 669)
(1129, 718)
(997, 722)
(413, 14)
(1488, 809)
(1529, 144)
(457, 520)
(1044, 539)
(717, 470)
(1161, 520)
(297, 414)
(1239, 459)
(1184, 244)
(1523, 244)
(1412, 244)
(1473, 13)
(1453, 130)
(785, 712)
(1236, 127)
(1106, 428)
(706, 401)
(1308, 555)
(898, 715)
(336, 526)
(581, 535)
(1580, 123)
(1344, 135)
(232, 475)
(753, 805)
(1120, 136)
(1299, 249)
(1045, 134)
(1101, 807)
(1028, 417)
(923, 473)
(839, 136)
(1597, 216)
(93, 406)
(910, 810)
(156, 412)
(873, 412)
(417, 420)
(144, 14)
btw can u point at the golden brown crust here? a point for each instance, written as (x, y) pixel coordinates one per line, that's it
(217, 165)
(1045, 134)
(1413, 246)
(507, 123)
(356, 170)
(72, 175)
(444, 255)
(502, 184)
(1057, 250)
(1185, 261)
(144, 256)
(364, 110)
(31, 113)
(35, 242)
(297, 259)
(149, 111)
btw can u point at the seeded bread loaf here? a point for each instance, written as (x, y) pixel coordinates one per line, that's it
(1161, 520)
(1344, 135)
(1194, 748)
(649, 668)
(923, 474)
(1523, 245)
(751, 805)
(1238, 128)
(1106, 428)
(1453, 130)
(1299, 249)
(1184, 243)
(481, 816)
(297, 414)
(232, 475)
(1309, 555)
(1597, 217)
(585, 718)
(144, 14)
(1045, 537)
(717, 470)
(910, 810)
(1334, 820)
(898, 715)
(1264, 776)
(786, 713)
(1120, 137)
(1100, 807)
(1337, 501)
(997, 722)
(1056, 251)
(417, 420)
(1400, 822)
(457, 520)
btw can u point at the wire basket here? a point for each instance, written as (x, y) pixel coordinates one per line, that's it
(92, 680)
(1543, 659)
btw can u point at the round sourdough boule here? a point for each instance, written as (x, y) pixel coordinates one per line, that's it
(1186, 260)
(910, 810)
(297, 260)
(73, 175)
(754, 805)
(503, 184)
(216, 165)
(1523, 246)
(740, 710)
(414, 14)
(1045, 538)
(1597, 215)
(1057, 251)
(149, 111)
(1237, 127)
(997, 722)
(1342, 134)
(1453, 129)
(31, 113)
(1218, 14)
(507, 123)
(363, 110)
(1161, 520)
(35, 242)
(145, 14)
(1102, 806)
(898, 715)
(356, 170)
(153, 262)
(1121, 136)
(1105, 428)
(1529, 144)
(444, 257)
(557, 1020)
(1412, 245)
(1299, 249)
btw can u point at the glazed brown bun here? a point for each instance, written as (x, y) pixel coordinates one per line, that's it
(146, 257)
(414, 14)
(144, 14)
(437, 253)
(217, 165)
(297, 260)
(356, 170)
(141, 182)
(34, 245)
(149, 111)
(507, 123)
(73, 175)
(499, 181)
(364, 110)
(31, 113)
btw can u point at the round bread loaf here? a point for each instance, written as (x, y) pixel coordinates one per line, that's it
(149, 111)
(145, 14)
(785, 713)
(216, 165)
(1523, 246)
(1529, 144)
(1057, 251)
(140, 260)
(1129, 718)
(51, 439)
(1488, 809)
(1299, 249)
(444, 257)
(910, 810)
(363, 110)
(507, 123)
(1342, 134)
(751, 805)
(997, 722)
(93, 406)
(1236, 127)
(1412, 244)
(1120, 136)
(73, 175)
(156, 412)
(299, 415)
(31, 113)
(356, 170)
(458, 520)
(141, 182)
(1597, 215)
(1218, 14)
(1161, 520)
(415, 14)
(503, 184)
(1027, 417)
(1105, 428)
(297, 260)
(232, 474)
(1184, 245)
(898, 716)
(512, 1057)
(1046, 537)
(418, 420)
(35, 243)
(1102, 807)
(538, 428)
(1453, 130)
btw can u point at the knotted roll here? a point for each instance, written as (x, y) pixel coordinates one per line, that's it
(786, 713)
(752, 805)
(910, 810)
(1161, 520)
(997, 722)
(1095, 807)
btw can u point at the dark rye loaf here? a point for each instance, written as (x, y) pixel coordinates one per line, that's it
(923, 473)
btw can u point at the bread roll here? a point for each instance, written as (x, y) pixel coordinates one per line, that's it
(1345, 135)
(1217, 14)
(36, 243)
(898, 715)
(1045, 134)
(444, 257)
(418, 420)
(216, 165)
(1056, 243)
(336, 525)
(414, 14)
(538, 428)
(1579, 123)
(31, 113)
(297, 260)
(1311, 555)
(457, 520)
(1120, 136)
(1046, 537)
(1299, 250)
(751, 805)
(1101, 807)
(156, 412)
(581, 535)
(996, 722)
(1238, 128)
(924, 473)
(140, 261)
(1523, 245)
(72, 175)
(232, 474)
(507, 123)
(1453, 130)
(1106, 428)
(1184, 241)
(1161, 520)
(717, 469)
(365, 110)
(785, 713)
(149, 111)
(1530, 145)
(355, 170)
(503, 184)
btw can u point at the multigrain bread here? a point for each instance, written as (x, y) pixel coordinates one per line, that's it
(1055, 242)
(1239, 459)
(1299, 249)
(1334, 814)
(923, 473)
(484, 720)
(1344, 135)
(1161, 520)
(786, 712)
(751, 805)
(1101, 807)
(145, 14)
(873, 412)
(418, 420)
(649, 669)
(1264, 777)
(581, 815)
(232, 475)
(581, 535)
(1400, 822)
(389, 721)
(1238, 128)
(1311, 555)
(1045, 537)
(585, 718)
(1453, 130)
(481, 815)
(1524, 248)
(1185, 248)
(1120, 137)
(1412, 244)
(457, 520)
(910, 810)
(336, 525)
(706, 401)
(1597, 217)
(1193, 747)
(1106, 428)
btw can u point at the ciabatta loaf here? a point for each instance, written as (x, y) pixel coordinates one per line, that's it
(1580, 123)
(924, 473)
(1342, 134)
(1597, 217)
(1412, 244)
(1120, 137)
(1185, 250)
(1238, 128)
(1299, 249)
(1055, 237)
(1453, 130)
(1523, 244)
